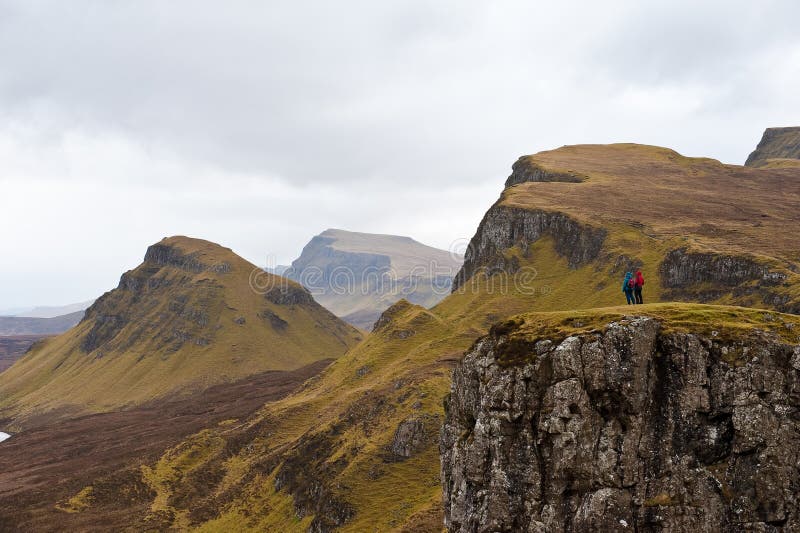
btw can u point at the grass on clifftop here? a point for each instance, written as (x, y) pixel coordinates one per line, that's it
(725, 208)
(716, 321)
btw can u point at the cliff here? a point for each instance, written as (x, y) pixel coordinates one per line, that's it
(680, 418)
(778, 147)
(503, 228)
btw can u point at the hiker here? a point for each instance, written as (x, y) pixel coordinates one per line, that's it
(637, 289)
(627, 287)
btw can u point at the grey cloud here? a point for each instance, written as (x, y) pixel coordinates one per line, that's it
(258, 124)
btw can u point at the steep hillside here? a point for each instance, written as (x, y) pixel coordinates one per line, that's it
(19, 325)
(359, 275)
(357, 448)
(188, 317)
(779, 147)
(679, 418)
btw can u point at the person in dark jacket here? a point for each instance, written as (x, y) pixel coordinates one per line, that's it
(627, 288)
(638, 284)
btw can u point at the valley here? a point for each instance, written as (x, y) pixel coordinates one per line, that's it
(216, 403)
(41, 469)
(12, 347)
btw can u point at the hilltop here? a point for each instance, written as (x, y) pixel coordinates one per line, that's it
(779, 147)
(699, 230)
(359, 275)
(193, 314)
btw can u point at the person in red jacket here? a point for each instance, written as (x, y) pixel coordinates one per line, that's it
(637, 289)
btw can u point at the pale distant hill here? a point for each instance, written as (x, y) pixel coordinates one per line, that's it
(359, 275)
(23, 325)
(47, 311)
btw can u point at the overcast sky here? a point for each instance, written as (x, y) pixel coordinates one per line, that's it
(260, 124)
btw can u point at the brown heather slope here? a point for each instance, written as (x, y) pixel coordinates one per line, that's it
(356, 449)
(185, 319)
(41, 469)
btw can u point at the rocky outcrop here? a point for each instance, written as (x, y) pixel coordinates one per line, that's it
(505, 227)
(413, 435)
(705, 277)
(681, 268)
(630, 429)
(777, 143)
(161, 254)
(524, 170)
(289, 295)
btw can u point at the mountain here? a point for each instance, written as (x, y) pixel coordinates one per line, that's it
(779, 147)
(47, 311)
(18, 325)
(359, 275)
(359, 447)
(193, 314)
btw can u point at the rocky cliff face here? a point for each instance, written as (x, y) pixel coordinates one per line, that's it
(524, 170)
(776, 144)
(505, 227)
(633, 428)
(704, 277)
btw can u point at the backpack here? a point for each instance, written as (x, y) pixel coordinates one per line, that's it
(632, 283)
